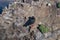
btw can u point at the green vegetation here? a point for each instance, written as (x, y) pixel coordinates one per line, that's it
(58, 5)
(42, 28)
(14, 5)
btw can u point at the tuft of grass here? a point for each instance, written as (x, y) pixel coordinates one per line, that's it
(58, 5)
(42, 28)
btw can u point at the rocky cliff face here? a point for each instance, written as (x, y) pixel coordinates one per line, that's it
(13, 18)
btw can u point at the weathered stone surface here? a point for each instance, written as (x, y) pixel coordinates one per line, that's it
(13, 18)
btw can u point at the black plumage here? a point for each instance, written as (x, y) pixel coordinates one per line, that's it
(30, 21)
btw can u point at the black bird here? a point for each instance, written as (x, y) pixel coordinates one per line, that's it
(30, 21)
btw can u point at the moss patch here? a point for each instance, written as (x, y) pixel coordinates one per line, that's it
(42, 28)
